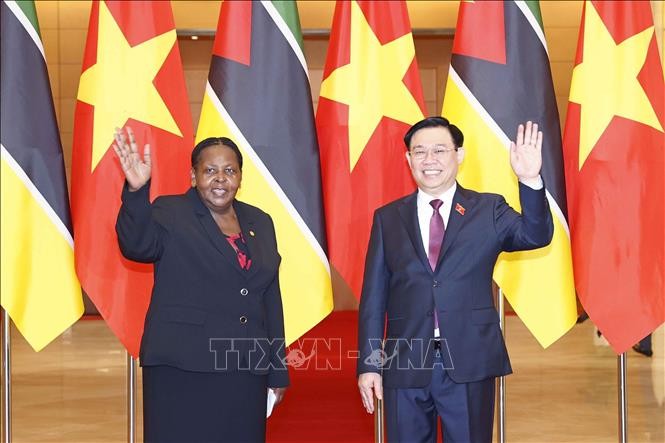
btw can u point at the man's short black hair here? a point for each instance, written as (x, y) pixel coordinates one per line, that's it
(215, 141)
(433, 122)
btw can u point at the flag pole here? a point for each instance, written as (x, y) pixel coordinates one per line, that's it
(131, 399)
(6, 379)
(501, 425)
(623, 409)
(378, 422)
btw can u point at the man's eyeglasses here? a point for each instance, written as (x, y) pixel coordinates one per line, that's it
(437, 151)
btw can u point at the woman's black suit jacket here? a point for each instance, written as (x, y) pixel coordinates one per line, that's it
(206, 313)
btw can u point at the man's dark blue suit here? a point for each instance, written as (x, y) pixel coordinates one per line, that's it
(401, 291)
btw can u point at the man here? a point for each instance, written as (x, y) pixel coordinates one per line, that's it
(428, 288)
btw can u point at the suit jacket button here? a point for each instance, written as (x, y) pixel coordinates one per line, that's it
(243, 320)
(435, 284)
(244, 291)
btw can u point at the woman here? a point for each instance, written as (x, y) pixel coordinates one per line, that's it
(214, 332)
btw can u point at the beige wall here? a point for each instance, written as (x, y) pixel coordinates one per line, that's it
(316, 14)
(659, 20)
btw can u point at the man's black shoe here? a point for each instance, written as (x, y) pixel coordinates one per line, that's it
(643, 351)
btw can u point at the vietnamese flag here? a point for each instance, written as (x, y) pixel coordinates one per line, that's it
(370, 96)
(131, 76)
(614, 150)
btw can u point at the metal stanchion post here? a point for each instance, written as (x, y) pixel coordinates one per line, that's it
(131, 399)
(378, 415)
(6, 379)
(623, 416)
(378, 421)
(501, 425)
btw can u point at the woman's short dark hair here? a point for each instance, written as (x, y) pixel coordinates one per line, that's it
(433, 122)
(215, 141)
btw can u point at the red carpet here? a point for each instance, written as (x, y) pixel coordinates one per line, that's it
(323, 404)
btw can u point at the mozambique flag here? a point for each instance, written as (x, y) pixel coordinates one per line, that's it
(498, 79)
(258, 95)
(40, 291)
(370, 96)
(614, 150)
(132, 76)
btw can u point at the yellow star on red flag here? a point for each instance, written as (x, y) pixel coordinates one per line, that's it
(372, 83)
(604, 93)
(120, 85)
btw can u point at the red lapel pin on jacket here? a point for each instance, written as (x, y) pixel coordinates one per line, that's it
(459, 208)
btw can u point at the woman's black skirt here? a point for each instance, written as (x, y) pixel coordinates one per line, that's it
(197, 407)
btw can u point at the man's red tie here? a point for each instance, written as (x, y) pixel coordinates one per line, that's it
(436, 231)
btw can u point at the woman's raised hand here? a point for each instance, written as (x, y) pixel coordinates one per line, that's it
(137, 171)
